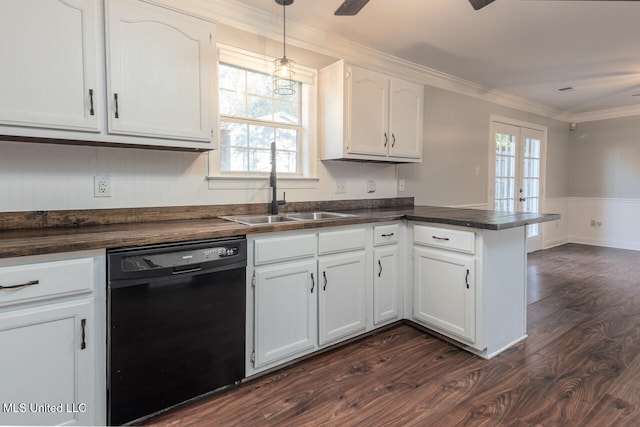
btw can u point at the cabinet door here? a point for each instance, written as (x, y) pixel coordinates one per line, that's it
(47, 375)
(367, 112)
(285, 311)
(342, 282)
(385, 284)
(405, 119)
(49, 64)
(444, 291)
(160, 66)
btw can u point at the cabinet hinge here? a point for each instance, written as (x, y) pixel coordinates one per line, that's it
(346, 143)
(253, 357)
(211, 132)
(210, 38)
(253, 279)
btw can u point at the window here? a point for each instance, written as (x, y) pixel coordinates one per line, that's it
(252, 117)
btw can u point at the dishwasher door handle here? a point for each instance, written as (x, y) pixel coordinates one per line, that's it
(189, 270)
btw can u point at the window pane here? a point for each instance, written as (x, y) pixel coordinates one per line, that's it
(231, 78)
(286, 112)
(286, 139)
(232, 103)
(260, 160)
(260, 108)
(261, 137)
(233, 134)
(259, 84)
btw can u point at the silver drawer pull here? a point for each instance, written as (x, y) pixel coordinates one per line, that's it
(21, 285)
(387, 235)
(446, 239)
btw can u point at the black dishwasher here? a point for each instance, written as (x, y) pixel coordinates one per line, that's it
(175, 324)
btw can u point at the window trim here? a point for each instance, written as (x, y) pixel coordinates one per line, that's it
(308, 157)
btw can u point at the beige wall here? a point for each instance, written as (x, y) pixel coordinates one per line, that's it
(456, 144)
(605, 159)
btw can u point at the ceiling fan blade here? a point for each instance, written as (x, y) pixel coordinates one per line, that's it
(350, 7)
(479, 4)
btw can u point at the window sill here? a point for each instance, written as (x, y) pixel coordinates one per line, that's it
(240, 182)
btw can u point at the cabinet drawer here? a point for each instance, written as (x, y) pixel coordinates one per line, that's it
(385, 234)
(47, 279)
(284, 248)
(455, 240)
(343, 240)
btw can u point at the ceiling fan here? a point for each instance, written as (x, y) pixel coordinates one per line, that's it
(352, 7)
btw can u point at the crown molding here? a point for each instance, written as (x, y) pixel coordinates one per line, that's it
(612, 113)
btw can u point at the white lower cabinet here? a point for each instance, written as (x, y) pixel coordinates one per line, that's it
(305, 290)
(285, 311)
(52, 339)
(444, 291)
(386, 273)
(385, 284)
(470, 285)
(47, 365)
(342, 296)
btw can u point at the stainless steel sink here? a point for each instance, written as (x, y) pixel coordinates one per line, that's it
(317, 215)
(295, 216)
(259, 219)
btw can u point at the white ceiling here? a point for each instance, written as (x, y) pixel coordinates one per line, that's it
(527, 48)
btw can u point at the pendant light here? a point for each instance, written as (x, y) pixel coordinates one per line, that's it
(283, 83)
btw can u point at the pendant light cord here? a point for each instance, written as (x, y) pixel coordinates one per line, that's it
(284, 30)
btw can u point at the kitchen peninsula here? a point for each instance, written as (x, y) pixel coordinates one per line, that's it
(457, 272)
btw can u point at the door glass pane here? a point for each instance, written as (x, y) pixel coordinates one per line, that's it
(531, 180)
(505, 172)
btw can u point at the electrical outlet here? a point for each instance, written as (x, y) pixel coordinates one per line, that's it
(371, 186)
(401, 185)
(341, 188)
(102, 186)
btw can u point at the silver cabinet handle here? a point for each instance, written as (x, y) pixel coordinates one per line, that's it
(380, 270)
(466, 278)
(446, 239)
(386, 139)
(313, 283)
(393, 137)
(324, 274)
(387, 235)
(21, 285)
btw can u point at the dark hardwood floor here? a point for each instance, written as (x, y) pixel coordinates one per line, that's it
(580, 365)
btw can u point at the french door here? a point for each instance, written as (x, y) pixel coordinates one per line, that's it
(518, 153)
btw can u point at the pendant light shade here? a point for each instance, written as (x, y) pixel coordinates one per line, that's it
(283, 83)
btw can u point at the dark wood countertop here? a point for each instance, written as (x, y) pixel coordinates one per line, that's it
(24, 242)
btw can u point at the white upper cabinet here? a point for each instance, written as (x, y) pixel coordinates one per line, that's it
(366, 115)
(134, 73)
(49, 51)
(406, 114)
(160, 69)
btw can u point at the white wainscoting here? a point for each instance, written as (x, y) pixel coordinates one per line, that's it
(616, 222)
(556, 233)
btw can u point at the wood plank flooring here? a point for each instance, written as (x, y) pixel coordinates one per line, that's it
(580, 365)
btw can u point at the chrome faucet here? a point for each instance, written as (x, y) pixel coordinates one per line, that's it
(273, 210)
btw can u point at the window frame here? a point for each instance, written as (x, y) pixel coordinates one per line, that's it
(307, 138)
